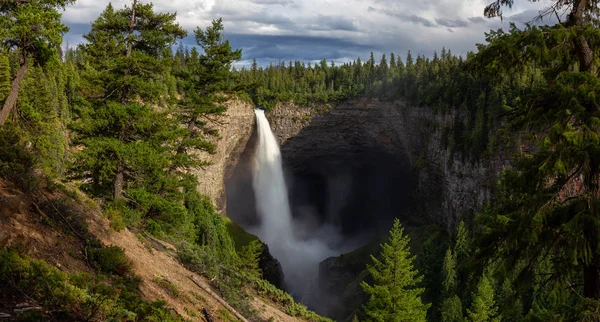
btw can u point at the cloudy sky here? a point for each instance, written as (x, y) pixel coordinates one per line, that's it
(339, 30)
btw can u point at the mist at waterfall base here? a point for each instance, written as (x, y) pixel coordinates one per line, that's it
(299, 245)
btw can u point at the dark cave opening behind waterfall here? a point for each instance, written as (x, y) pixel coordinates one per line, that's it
(340, 198)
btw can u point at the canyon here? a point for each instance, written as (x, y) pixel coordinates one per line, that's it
(350, 167)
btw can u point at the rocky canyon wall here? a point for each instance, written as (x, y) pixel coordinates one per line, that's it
(446, 186)
(234, 129)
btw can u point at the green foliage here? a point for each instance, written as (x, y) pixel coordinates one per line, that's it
(34, 28)
(169, 287)
(5, 76)
(110, 260)
(483, 307)
(250, 258)
(43, 111)
(451, 310)
(544, 218)
(16, 164)
(75, 296)
(394, 295)
(449, 271)
(278, 296)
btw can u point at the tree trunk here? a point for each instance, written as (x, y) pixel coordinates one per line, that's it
(584, 53)
(119, 178)
(118, 194)
(11, 100)
(131, 28)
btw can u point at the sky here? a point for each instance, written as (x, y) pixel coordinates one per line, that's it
(338, 30)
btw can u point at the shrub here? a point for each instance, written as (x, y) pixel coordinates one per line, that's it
(78, 296)
(110, 260)
(16, 164)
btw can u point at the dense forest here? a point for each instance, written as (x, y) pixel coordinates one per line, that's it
(120, 115)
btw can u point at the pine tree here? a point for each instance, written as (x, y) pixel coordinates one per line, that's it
(394, 295)
(483, 307)
(250, 258)
(451, 308)
(34, 30)
(449, 270)
(547, 203)
(124, 135)
(206, 82)
(462, 244)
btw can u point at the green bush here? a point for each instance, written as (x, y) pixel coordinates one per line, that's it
(110, 260)
(16, 164)
(78, 296)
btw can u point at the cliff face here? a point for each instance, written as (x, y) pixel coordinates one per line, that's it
(234, 130)
(329, 137)
(370, 161)
(355, 166)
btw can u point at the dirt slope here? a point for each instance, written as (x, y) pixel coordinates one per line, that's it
(25, 220)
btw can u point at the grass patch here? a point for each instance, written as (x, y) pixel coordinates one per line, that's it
(224, 315)
(240, 237)
(145, 242)
(168, 286)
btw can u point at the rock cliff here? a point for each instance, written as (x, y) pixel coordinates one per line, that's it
(447, 186)
(234, 130)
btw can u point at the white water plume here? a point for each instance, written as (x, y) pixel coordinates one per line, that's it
(299, 257)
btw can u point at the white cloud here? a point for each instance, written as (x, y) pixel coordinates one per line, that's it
(377, 25)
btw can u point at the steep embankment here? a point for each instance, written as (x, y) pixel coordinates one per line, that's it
(33, 221)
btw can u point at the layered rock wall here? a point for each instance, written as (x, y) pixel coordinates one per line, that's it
(234, 130)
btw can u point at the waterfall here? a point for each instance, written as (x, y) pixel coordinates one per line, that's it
(269, 186)
(299, 257)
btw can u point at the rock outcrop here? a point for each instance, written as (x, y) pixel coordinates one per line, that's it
(234, 130)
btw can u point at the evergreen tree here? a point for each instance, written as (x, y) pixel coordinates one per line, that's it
(250, 258)
(449, 270)
(462, 247)
(547, 204)
(34, 30)
(394, 295)
(483, 307)
(451, 307)
(206, 81)
(124, 135)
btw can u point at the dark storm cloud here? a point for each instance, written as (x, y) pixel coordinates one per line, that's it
(340, 30)
(411, 18)
(457, 23)
(264, 16)
(477, 19)
(334, 23)
(75, 34)
(274, 48)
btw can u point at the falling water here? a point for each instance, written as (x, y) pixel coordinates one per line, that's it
(269, 186)
(299, 257)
